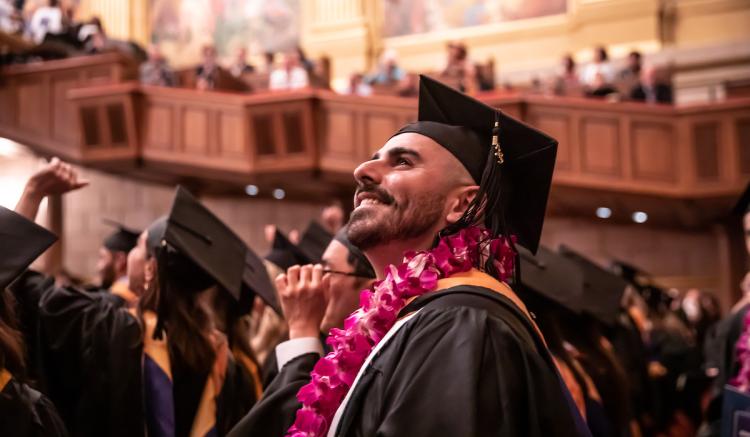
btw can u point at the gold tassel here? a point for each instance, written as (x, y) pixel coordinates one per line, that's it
(496, 143)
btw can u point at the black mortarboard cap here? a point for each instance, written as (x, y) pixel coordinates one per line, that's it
(516, 188)
(196, 233)
(23, 241)
(602, 290)
(362, 266)
(743, 203)
(285, 254)
(552, 276)
(314, 242)
(122, 240)
(631, 273)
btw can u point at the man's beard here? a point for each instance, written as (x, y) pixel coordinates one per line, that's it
(411, 218)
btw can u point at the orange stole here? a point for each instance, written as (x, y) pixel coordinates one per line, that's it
(477, 278)
(252, 369)
(121, 289)
(5, 378)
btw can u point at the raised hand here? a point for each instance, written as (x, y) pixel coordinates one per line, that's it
(56, 177)
(303, 295)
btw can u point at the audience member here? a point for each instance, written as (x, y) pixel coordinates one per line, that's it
(269, 61)
(459, 71)
(46, 19)
(304, 61)
(156, 70)
(652, 87)
(207, 74)
(291, 75)
(598, 74)
(358, 86)
(388, 72)
(9, 18)
(240, 66)
(568, 83)
(628, 77)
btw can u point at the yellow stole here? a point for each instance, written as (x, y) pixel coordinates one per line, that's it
(121, 289)
(157, 350)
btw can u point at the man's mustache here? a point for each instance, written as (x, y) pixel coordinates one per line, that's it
(380, 194)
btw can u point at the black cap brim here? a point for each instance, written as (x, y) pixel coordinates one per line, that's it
(554, 277)
(314, 242)
(603, 289)
(23, 241)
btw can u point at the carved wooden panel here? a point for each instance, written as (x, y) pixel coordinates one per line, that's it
(63, 117)
(600, 146)
(7, 101)
(339, 140)
(558, 127)
(743, 142)
(32, 106)
(380, 128)
(195, 130)
(293, 130)
(118, 133)
(653, 151)
(91, 132)
(706, 150)
(230, 132)
(159, 127)
(264, 138)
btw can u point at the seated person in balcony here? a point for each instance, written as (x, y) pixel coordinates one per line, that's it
(207, 73)
(290, 75)
(568, 83)
(653, 87)
(240, 65)
(629, 77)
(598, 76)
(46, 19)
(388, 72)
(156, 71)
(304, 61)
(10, 18)
(269, 60)
(459, 72)
(357, 86)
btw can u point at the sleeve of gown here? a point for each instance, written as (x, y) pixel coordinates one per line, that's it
(463, 372)
(51, 423)
(274, 413)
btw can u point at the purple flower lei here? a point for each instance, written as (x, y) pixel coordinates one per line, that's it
(742, 380)
(379, 307)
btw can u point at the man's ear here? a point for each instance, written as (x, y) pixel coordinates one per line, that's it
(121, 261)
(459, 202)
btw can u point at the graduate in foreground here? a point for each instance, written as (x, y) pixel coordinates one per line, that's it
(440, 345)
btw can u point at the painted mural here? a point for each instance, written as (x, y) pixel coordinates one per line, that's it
(182, 27)
(406, 17)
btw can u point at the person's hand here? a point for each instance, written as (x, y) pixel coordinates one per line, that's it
(302, 292)
(56, 177)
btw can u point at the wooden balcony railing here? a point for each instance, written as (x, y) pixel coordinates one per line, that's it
(309, 141)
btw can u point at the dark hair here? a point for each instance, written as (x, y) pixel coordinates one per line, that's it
(11, 341)
(570, 63)
(361, 267)
(635, 54)
(174, 297)
(602, 52)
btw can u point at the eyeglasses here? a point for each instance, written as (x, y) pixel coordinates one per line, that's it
(338, 272)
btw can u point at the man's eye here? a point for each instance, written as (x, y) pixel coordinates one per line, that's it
(403, 161)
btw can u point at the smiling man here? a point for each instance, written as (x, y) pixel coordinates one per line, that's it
(460, 355)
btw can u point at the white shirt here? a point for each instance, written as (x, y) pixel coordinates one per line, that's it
(592, 70)
(281, 79)
(45, 20)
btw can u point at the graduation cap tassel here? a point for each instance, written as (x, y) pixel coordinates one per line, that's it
(162, 253)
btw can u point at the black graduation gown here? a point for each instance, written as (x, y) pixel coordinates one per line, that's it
(468, 364)
(91, 359)
(24, 412)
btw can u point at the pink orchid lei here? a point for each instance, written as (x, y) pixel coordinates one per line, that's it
(742, 380)
(379, 307)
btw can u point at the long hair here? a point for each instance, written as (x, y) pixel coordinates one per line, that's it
(175, 296)
(11, 340)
